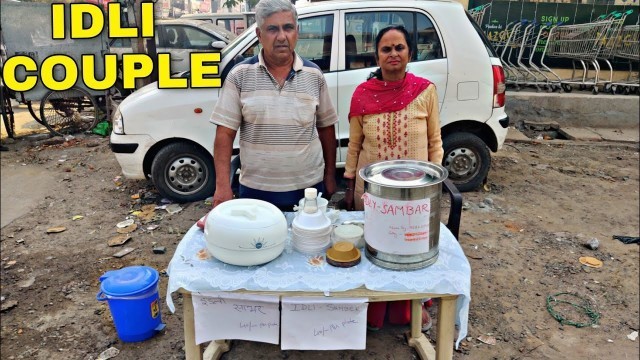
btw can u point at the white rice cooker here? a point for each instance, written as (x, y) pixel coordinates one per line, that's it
(245, 232)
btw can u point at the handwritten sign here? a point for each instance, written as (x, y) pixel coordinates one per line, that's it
(317, 323)
(397, 226)
(220, 315)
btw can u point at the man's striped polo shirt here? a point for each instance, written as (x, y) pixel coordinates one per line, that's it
(279, 145)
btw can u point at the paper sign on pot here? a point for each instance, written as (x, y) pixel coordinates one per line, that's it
(396, 226)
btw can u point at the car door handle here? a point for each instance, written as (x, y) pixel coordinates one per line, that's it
(177, 59)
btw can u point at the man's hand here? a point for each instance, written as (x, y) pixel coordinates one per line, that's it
(329, 187)
(327, 137)
(222, 147)
(221, 195)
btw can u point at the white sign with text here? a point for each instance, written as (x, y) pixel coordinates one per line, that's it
(222, 315)
(320, 323)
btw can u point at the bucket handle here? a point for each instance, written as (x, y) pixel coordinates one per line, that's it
(106, 275)
(100, 296)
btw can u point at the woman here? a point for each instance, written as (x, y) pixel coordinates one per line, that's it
(393, 115)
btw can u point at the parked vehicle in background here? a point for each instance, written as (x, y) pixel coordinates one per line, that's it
(104, 4)
(165, 134)
(237, 23)
(179, 38)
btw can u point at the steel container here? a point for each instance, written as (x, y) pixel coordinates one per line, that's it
(402, 213)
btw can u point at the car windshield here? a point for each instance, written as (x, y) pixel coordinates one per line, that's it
(219, 30)
(228, 49)
(232, 45)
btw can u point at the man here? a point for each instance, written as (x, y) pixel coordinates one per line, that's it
(281, 105)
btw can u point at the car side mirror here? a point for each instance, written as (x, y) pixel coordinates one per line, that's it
(218, 44)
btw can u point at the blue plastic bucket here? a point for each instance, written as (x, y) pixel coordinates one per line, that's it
(132, 295)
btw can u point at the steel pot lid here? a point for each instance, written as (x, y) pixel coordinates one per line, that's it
(404, 173)
(129, 281)
(245, 214)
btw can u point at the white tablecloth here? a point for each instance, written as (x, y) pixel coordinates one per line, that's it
(294, 271)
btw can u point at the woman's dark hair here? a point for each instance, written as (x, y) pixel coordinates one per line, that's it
(407, 38)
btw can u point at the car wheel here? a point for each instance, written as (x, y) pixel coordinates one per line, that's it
(467, 159)
(183, 173)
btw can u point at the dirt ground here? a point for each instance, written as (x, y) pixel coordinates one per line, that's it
(523, 234)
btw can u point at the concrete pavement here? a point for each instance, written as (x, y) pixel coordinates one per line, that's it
(25, 124)
(23, 186)
(576, 134)
(578, 116)
(578, 109)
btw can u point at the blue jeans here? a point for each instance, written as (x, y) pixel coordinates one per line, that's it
(283, 200)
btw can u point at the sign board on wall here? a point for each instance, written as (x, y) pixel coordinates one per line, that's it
(503, 12)
(205, 6)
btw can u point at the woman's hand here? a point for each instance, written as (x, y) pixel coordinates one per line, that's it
(349, 195)
(348, 200)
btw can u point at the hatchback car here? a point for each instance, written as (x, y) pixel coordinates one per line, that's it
(237, 23)
(180, 38)
(165, 134)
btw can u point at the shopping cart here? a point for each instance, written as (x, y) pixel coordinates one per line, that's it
(580, 43)
(501, 40)
(515, 76)
(609, 41)
(628, 48)
(533, 36)
(477, 13)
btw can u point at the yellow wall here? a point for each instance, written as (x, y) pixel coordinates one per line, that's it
(465, 3)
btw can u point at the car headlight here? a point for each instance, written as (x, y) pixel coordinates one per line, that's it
(118, 123)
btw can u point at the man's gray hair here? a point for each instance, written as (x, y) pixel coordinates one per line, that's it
(266, 8)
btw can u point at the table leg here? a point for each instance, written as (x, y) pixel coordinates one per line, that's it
(216, 348)
(416, 318)
(446, 327)
(417, 340)
(191, 350)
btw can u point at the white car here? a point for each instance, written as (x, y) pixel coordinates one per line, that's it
(165, 134)
(180, 38)
(237, 23)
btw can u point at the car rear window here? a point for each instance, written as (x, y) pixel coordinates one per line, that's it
(483, 37)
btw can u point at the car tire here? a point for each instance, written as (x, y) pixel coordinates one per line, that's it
(183, 173)
(467, 158)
